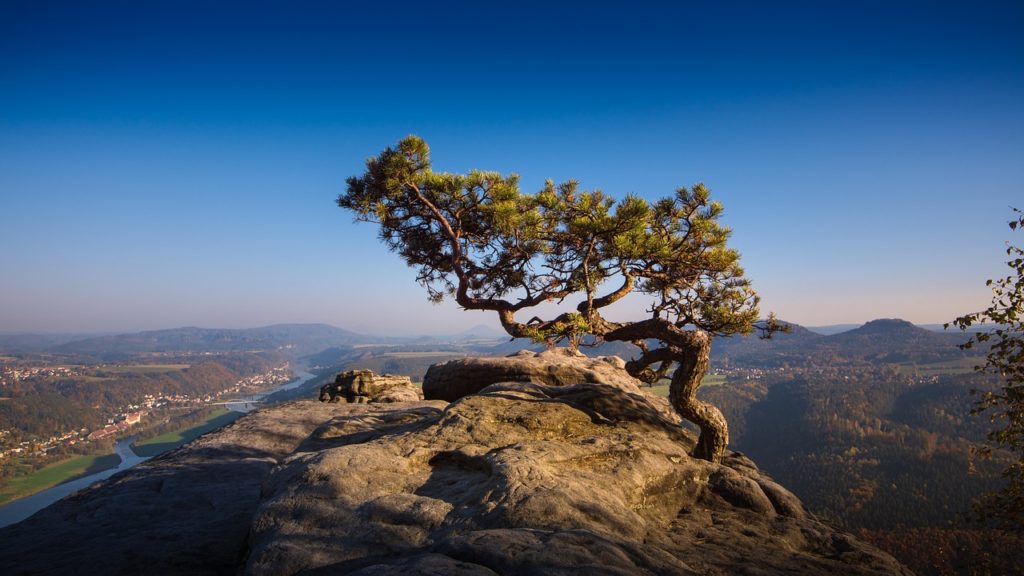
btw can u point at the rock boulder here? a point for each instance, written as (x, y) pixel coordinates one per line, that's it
(362, 386)
(557, 367)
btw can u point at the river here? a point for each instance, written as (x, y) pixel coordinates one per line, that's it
(250, 403)
(22, 508)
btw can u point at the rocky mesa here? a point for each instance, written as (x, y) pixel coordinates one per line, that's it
(553, 471)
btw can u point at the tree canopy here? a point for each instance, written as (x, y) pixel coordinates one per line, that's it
(477, 238)
(1005, 358)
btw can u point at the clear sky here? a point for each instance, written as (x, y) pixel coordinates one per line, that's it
(172, 163)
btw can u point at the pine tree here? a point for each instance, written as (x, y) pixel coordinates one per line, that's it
(477, 238)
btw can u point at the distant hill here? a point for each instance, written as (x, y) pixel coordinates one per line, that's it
(832, 329)
(895, 340)
(298, 339)
(879, 341)
(941, 328)
(23, 342)
(751, 349)
(481, 332)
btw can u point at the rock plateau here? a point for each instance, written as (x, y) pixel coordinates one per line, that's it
(557, 476)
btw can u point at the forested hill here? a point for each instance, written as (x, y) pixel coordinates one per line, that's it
(884, 341)
(299, 338)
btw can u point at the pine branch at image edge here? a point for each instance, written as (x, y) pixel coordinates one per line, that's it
(1005, 358)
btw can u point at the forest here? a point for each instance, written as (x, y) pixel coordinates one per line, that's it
(888, 452)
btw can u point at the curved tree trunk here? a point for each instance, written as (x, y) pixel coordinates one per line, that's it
(714, 429)
(692, 350)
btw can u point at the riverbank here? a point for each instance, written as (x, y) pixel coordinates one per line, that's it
(170, 440)
(25, 495)
(57, 473)
(18, 510)
(71, 469)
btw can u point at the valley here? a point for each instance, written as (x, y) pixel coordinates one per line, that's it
(870, 427)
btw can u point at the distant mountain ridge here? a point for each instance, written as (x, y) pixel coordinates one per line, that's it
(886, 340)
(22, 342)
(301, 338)
(830, 329)
(882, 340)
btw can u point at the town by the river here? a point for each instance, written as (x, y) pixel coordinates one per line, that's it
(22, 508)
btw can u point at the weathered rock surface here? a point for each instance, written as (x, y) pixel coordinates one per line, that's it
(455, 379)
(557, 367)
(185, 512)
(521, 478)
(362, 386)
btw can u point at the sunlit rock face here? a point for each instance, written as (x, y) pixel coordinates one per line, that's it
(519, 478)
(526, 478)
(363, 386)
(559, 366)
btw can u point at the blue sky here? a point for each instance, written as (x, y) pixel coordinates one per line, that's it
(176, 163)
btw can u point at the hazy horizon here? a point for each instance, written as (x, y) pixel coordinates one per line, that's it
(366, 330)
(176, 164)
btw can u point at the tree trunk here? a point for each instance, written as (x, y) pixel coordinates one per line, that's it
(714, 429)
(692, 350)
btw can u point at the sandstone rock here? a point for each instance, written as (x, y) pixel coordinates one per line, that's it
(362, 386)
(558, 367)
(527, 478)
(185, 512)
(408, 393)
(519, 478)
(740, 490)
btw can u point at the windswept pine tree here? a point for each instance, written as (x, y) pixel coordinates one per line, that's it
(477, 238)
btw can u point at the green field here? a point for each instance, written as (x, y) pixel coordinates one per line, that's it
(419, 354)
(661, 388)
(170, 440)
(79, 466)
(959, 366)
(114, 372)
(57, 473)
(145, 368)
